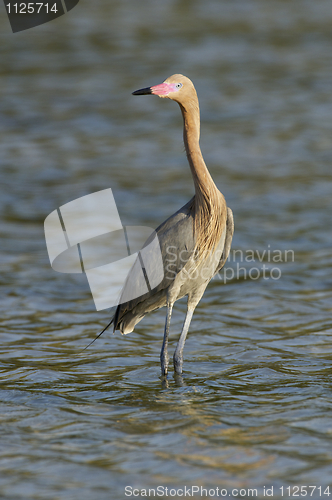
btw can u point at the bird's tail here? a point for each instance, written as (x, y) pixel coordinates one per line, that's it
(109, 324)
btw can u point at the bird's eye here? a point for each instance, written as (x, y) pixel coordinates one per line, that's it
(178, 85)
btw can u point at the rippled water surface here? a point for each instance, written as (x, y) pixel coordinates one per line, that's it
(254, 407)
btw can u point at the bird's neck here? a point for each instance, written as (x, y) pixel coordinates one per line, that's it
(191, 130)
(209, 206)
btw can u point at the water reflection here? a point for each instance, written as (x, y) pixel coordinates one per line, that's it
(253, 408)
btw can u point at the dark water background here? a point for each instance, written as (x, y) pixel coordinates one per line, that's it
(255, 408)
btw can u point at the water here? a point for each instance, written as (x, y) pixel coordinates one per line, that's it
(254, 406)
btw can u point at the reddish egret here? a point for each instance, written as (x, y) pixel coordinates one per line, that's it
(199, 235)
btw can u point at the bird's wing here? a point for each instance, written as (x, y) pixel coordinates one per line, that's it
(228, 239)
(176, 241)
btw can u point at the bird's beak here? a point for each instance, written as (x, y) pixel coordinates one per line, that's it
(163, 89)
(145, 91)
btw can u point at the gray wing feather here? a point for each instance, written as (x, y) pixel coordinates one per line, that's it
(176, 240)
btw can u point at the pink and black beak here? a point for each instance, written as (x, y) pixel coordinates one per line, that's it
(162, 90)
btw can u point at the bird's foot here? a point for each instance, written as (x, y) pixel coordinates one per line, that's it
(178, 379)
(164, 383)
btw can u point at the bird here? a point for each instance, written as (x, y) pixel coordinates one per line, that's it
(198, 236)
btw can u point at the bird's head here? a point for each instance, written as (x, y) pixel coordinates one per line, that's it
(177, 87)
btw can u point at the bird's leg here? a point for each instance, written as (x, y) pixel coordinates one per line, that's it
(178, 354)
(164, 352)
